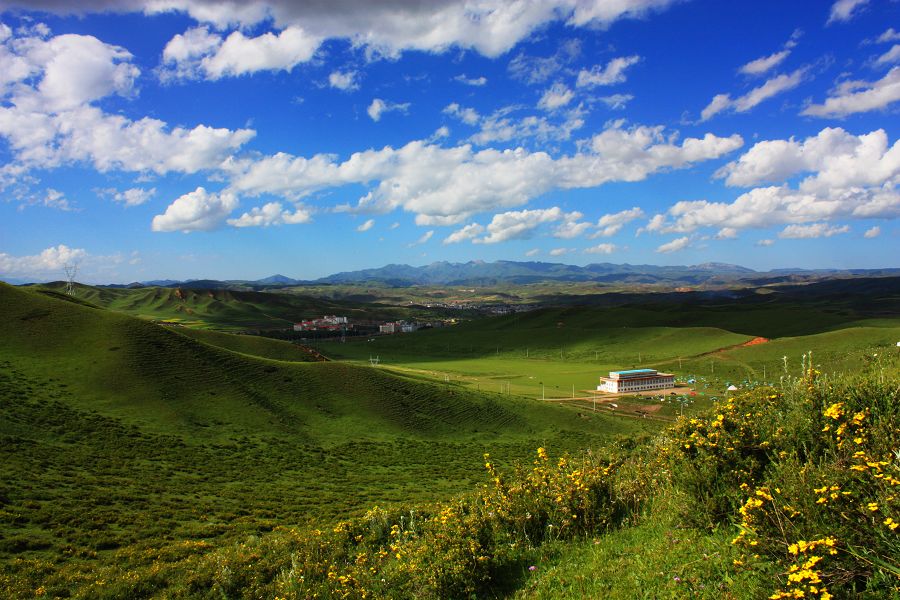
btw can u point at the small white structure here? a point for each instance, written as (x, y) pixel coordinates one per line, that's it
(636, 380)
(398, 327)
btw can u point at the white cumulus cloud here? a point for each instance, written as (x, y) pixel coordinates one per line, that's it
(764, 64)
(601, 249)
(844, 10)
(62, 72)
(813, 230)
(49, 117)
(872, 232)
(344, 80)
(612, 73)
(469, 232)
(557, 96)
(754, 97)
(851, 97)
(424, 238)
(239, 55)
(49, 261)
(133, 196)
(616, 101)
(196, 211)
(889, 35)
(366, 226)
(515, 225)
(889, 57)
(837, 158)
(675, 245)
(378, 107)
(846, 177)
(445, 186)
(610, 224)
(473, 81)
(269, 214)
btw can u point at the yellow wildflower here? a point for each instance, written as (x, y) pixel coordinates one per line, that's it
(835, 410)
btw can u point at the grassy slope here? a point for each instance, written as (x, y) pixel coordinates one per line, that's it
(565, 347)
(840, 351)
(231, 310)
(121, 435)
(530, 349)
(224, 309)
(250, 345)
(659, 558)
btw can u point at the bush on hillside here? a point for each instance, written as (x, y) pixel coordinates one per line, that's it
(810, 474)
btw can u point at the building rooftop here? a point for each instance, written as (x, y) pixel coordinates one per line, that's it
(635, 372)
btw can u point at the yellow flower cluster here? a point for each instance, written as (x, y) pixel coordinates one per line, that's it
(804, 578)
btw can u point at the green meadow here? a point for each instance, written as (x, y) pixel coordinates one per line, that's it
(148, 460)
(234, 310)
(559, 349)
(123, 439)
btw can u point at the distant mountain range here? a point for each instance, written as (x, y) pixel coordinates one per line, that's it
(511, 272)
(481, 273)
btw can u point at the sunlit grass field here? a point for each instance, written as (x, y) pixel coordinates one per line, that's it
(551, 353)
(123, 440)
(133, 450)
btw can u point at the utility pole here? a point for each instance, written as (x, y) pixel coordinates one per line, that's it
(71, 272)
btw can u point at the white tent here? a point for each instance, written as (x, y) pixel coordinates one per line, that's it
(732, 388)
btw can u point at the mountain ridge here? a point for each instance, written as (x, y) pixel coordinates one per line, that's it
(482, 273)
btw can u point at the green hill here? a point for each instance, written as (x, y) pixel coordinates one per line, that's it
(122, 440)
(556, 349)
(221, 308)
(542, 352)
(250, 345)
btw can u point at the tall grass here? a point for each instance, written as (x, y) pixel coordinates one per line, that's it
(796, 486)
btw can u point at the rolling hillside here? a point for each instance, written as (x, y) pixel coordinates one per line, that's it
(226, 309)
(122, 439)
(558, 351)
(218, 308)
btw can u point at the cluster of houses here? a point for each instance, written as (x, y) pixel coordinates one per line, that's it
(335, 323)
(326, 323)
(398, 327)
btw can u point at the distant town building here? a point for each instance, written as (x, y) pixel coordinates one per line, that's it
(398, 327)
(326, 323)
(389, 328)
(636, 380)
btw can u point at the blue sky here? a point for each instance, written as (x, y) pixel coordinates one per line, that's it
(198, 139)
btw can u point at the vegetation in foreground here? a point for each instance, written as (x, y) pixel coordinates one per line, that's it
(128, 447)
(778, 493)
(211, 497)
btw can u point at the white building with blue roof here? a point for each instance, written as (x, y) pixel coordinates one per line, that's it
(636, 380)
